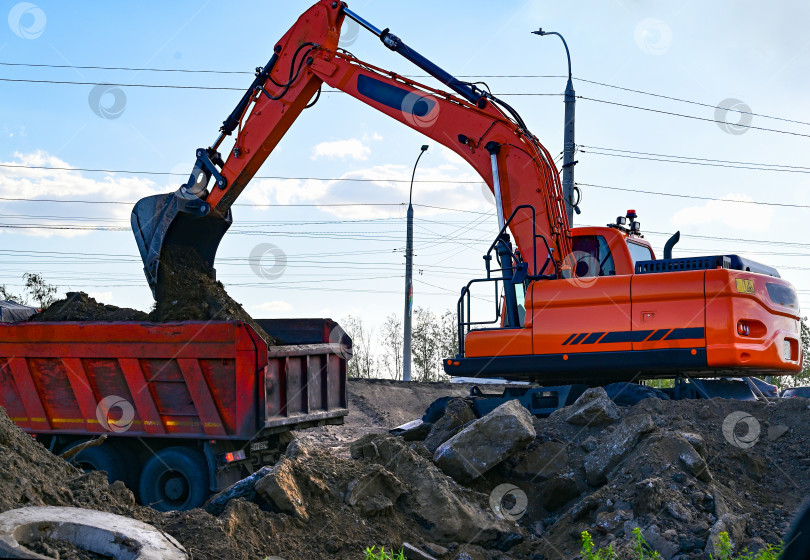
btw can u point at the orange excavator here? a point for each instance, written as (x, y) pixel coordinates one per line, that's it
(588, 305)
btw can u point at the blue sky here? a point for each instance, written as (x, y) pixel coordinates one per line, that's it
(349, 259)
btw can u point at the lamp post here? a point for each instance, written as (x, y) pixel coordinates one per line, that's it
(568, 135)
(406, 345)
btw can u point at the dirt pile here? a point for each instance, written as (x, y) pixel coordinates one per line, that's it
(679, 471)
(78, 306)
(185, 292)
(31, 476)
(64, 550)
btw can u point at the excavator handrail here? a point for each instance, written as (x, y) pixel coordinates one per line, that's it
(507, 275)
(519, 257)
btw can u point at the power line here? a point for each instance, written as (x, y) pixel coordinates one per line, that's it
(216, 88)
(694, 160)
(671, 113)
(129, 69)
(350, 179)
(681, 100)
(677, 195)
(354, 179)
(419, 76)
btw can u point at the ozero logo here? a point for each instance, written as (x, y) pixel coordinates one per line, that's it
(508, 502)
(107, 101)
(741, 429)
(111, 420)
(418, 109)
(27, 20)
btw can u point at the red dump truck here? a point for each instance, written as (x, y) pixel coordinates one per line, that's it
(188, 408)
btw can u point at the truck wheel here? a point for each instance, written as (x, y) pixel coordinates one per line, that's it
(176, 478)
(100, 458)
(628, 394)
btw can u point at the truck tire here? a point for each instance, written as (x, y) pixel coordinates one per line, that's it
(101, 458)
(628, 394)
(175, 479)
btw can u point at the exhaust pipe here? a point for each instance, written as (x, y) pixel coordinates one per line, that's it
(670, 244)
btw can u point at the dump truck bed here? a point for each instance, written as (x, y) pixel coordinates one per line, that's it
(212, 380)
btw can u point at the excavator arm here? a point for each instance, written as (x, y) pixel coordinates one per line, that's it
(483, 130)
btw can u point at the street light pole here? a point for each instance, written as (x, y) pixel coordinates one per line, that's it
(406, 345)
(568, 136)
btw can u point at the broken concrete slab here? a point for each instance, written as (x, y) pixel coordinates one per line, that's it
(542, 461)
(457, 413)
(486, 442)
(280, 488)
(593, 408)
(447, 511)
(374, 492)
(729, 523)
(559, 490)
(696, 441)
(610, 452)
(694, 464)
(776, 431)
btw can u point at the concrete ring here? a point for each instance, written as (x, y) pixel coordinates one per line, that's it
(105, 533)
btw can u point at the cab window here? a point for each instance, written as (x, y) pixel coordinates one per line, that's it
(593, 256)
(639, 252)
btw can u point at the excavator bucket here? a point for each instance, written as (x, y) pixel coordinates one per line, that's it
(178, 221)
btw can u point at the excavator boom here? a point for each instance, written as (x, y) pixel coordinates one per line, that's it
(482, 129)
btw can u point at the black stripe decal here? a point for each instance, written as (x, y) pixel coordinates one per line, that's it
(569, 339)
(593, 337)
(658, 335)
(617, 336)
(686, 333)
(639, 336)
(579, 338)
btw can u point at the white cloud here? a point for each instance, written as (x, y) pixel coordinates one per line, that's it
(750, 217)
(351, 148)
(103, 297)
(277, 306)
(455, 186)
(66, 185)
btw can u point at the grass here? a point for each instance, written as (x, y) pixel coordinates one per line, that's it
(642, 551)
(382, 554)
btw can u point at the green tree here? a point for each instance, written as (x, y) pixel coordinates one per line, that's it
(448, 329)
(5, 295)
(426, 345)
(391, 343)
(38, 289)
(361, 365)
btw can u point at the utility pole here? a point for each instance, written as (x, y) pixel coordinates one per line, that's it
(406, 323)
(568, 137)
